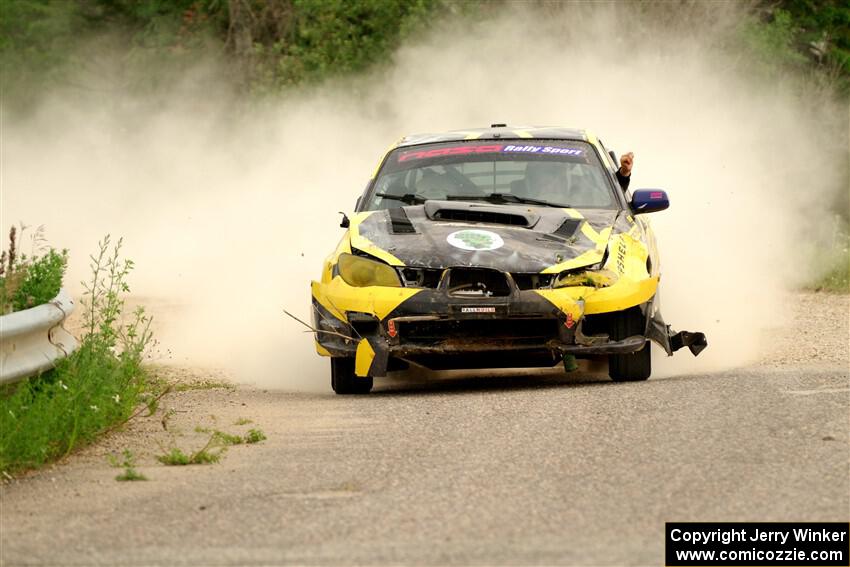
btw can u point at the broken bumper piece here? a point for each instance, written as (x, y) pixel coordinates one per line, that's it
(696, 342)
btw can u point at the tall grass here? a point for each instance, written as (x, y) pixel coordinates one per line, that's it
(98, 387)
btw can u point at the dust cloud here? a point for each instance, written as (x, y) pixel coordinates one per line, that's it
(228, 213)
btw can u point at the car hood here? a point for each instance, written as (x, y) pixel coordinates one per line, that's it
(511, 238)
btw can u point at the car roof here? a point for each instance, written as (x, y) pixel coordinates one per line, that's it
(497, 131)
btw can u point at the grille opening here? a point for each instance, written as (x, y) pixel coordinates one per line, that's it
(532, 281)
(611, 324)
(363, 323)
(465, 282)
(421, 277)
(490, 217)
(600, 324)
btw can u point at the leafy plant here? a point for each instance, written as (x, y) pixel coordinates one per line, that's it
(254, 436)
(225, 439)
(95, 389)
(228, 438)
(174, 457)
(42, 281)
(129, 464)
(29, 281)
(205, 455)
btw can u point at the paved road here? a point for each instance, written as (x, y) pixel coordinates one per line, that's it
(512, 470)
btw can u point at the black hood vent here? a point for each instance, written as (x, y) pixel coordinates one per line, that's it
(568, 228)
(474, 212)
(399, 221)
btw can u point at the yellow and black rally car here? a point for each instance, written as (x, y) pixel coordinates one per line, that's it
(494, 248)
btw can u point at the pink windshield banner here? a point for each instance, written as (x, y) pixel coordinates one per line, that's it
(485, 149)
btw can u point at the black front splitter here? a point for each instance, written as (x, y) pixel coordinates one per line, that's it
(625, 346)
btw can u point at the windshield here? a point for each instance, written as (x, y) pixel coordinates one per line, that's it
(542, 173)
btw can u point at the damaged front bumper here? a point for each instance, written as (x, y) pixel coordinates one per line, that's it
(438, 330)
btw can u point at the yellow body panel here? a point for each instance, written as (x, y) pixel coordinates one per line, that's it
(590, 257)
(364, 357)
(322, 350)
(339, 297)
(366, 245)
(622, 295)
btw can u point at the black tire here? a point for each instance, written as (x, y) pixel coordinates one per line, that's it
(343, 379)
(632, 367)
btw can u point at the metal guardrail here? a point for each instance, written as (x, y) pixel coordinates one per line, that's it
(33, 340)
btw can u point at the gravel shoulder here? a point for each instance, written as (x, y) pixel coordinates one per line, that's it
(818, 333)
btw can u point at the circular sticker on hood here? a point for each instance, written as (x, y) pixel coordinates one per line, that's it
(474, 239)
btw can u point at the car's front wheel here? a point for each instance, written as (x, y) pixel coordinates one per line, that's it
(635, 366)
(345, 381)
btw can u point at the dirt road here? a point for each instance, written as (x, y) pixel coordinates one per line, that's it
(549, 469)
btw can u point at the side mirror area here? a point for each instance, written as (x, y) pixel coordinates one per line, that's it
(649, 201)
(344, 223)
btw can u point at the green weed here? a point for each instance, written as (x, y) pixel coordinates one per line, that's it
(242, 421)
(227, 438)
(95, 389)
(130, 474)
(254, 436)
(129, 464)
(28, 281)
(174, 457)
(206, 455)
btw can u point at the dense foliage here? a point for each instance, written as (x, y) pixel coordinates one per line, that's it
(273, 44)
(820, 29)
(270, 44)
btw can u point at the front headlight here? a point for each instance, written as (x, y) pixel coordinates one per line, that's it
(589, 278)
(362, 272)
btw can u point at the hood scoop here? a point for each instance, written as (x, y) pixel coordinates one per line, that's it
(399, 221)
(568, 228)
(472, 212)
